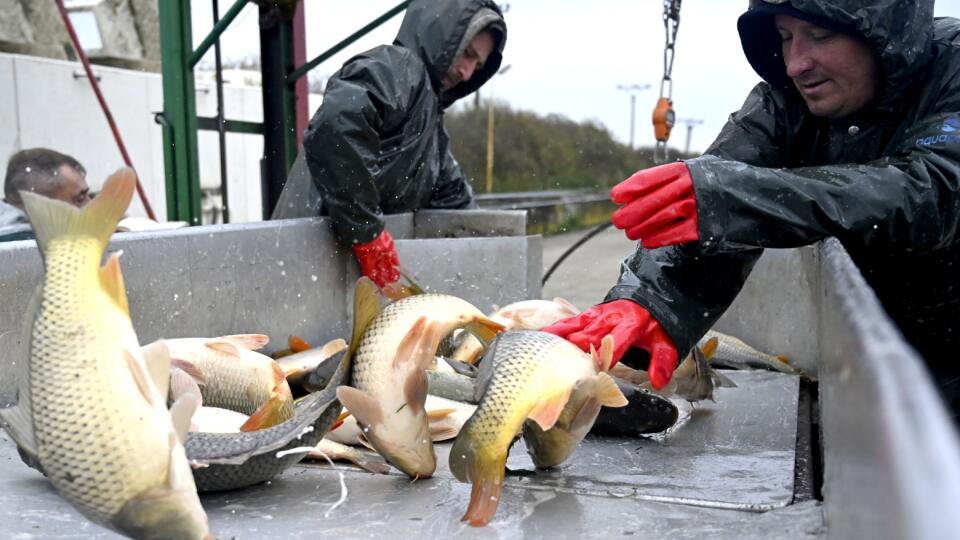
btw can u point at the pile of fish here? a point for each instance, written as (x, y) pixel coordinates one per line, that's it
(186, 415)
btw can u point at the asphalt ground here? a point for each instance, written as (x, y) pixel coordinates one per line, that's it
(590, 271)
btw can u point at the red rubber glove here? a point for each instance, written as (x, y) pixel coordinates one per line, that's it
(660, 208)
(378, 259)
(631, 326)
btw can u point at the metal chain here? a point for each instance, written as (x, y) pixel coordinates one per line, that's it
(671, 23)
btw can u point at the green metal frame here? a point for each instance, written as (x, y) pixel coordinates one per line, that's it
(179, 118)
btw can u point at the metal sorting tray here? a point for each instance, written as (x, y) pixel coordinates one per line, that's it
(725, 462)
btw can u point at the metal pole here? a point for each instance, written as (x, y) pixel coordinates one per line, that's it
(179, 113)
(686, 149)
(218, 28)
(490, 144)
(221, 121)
(633, 109)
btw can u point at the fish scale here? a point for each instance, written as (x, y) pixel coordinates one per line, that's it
(69, 437)
(515, 364)
(371, 371)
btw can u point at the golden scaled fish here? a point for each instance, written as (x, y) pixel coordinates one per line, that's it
(92, 408)
(234, 376)
(389, 382)
(525, 375)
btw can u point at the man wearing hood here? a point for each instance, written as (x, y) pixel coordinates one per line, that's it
(377, 144)
(854, 133)
(43, 171)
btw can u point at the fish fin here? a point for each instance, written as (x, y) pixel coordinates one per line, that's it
(279, 377)
(414, 287)
(567, 306)
(721, 380)
(182, 383)
(366, 307)
(439, 414)
(607, 392)
(783, 359)
(190, 369)
(223, 346)
(339, 421)
(270, 413)
(586, 416)
(486, 478)
(181, 412)
(604, 359)
(485, 329)
(156, 356)
(52, 218)
(111, 280)
(17, 422)
(415, 390)
(443, 433)
(362, 439)
(18, 419)
(546, 411)
(710, 347)
(141, 378)
(364, 408)
(336, 451)
(298, 344)
(332, 347)
(178, 477)
(410, 344)
(251, 342)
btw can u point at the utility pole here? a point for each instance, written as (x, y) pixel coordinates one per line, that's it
(503, 70)
(633, 89)
(690, 122)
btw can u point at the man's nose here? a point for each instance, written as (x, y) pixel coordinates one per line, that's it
(466, 70)
(797, 58)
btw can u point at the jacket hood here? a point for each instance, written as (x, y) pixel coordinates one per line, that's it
(434, 30)
(899, 32)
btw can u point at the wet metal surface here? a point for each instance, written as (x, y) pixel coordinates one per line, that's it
(723, 458)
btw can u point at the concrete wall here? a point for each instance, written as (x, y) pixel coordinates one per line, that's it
(49, 103)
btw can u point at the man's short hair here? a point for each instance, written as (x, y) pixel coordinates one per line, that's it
(35, 169)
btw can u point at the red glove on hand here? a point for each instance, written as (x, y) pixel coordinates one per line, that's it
(660, 206)
(631, 326)
(378, 259)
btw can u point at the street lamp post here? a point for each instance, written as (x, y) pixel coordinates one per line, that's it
(690, 122)
(503, 70)
(633, 89)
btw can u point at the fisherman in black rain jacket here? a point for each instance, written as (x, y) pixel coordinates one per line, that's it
(797, 164)
(377, 144)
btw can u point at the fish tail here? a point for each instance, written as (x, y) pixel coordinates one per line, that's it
(485, 473)
(52, 218)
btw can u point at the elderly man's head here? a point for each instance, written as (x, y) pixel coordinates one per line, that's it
(46, 172)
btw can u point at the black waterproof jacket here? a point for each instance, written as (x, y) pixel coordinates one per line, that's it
(377, 144)
(885, 183)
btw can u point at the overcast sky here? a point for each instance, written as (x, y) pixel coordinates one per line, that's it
(567, 57)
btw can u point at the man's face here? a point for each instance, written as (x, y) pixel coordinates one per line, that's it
(836, 74)
(72, 187)
(469, 61)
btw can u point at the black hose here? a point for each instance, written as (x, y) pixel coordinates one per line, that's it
(595, 231)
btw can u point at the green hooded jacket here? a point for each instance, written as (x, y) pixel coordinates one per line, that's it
(885, 182)
(377, 144)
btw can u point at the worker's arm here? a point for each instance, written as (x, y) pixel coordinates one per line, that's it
(909, 199)
(684, 290)
(452, 189)
(368, 97)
